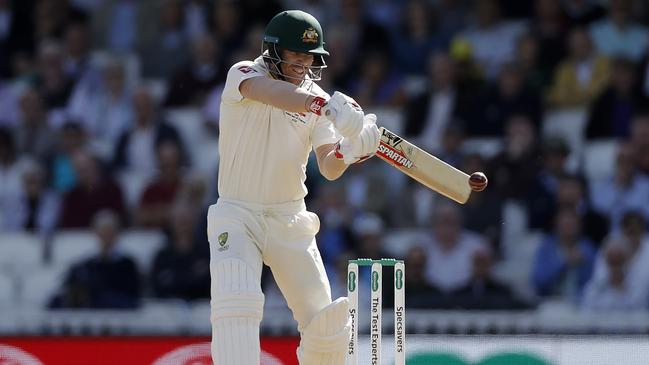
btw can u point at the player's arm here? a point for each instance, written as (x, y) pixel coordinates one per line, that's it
(330, 166)
(289, 97)
(280, 94)
(333, 158)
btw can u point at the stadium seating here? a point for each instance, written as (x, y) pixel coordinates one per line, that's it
(568, 124)
(7, 290)
(71, 246)
(19, 250)
(599, 159)
(39, 285)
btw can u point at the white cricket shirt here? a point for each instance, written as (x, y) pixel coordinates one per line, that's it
(263, 149)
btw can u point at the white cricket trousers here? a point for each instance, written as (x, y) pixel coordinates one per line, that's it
(242, 237)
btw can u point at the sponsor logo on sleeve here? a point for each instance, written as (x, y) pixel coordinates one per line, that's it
(246, 69)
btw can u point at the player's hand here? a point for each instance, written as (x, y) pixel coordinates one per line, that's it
(364, 145)
(345, 113)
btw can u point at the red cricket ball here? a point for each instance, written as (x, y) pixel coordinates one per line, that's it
(478, 181)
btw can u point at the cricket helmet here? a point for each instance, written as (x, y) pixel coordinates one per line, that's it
(296, 31)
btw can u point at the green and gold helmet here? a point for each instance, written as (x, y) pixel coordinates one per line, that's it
(296, 31)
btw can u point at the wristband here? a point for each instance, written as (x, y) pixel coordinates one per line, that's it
(317, 104)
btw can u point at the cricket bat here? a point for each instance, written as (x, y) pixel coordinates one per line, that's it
(427, 169)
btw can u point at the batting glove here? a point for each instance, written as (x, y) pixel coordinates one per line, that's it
(345, 113)
(363, 146)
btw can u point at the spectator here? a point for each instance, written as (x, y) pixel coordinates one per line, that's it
(571, 194)
(76, 64)
(508, 98)
(335, 215)
(92, 194)
(154, 209)
(9, 93)
(10, 173)
(362, 32)
(369, 232)
(564, 262)
(473, 212)
(618, 35)
(191, 83)
(450, 249)
(55, 86)
(117, 24)
(580, 78)
(415, 39)
(419, 292)
(492, 39)
(483, 291)
(643, 77)
(639, 140)
(610, 114)
(452, 17)
(513, 170)
(107, 280)
(33, 135)
(378, 82)
(625, 190)
(36, 207)
(548, 26)
(166, 47)
(634, 239)
(136, 148)
(535, 75)
(582, 12)
(6, 13)
(542, 195)
(105, 110)
(428, 114)
(181, 269)
(615, 290)
(227, 25)
(71, 138)
(50, 18)
(450, 148)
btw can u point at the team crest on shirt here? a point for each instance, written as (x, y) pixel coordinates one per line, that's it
(310, 36)
(297, 117)
(223, 241)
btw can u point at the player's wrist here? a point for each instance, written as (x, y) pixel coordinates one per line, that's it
(315, 104)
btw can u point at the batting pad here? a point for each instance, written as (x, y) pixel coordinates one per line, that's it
(324, 340)
(237, 307)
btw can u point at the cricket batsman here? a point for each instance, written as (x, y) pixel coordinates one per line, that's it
(272, 115)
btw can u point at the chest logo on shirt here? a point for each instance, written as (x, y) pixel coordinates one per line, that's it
(223, 240)
(297, 117)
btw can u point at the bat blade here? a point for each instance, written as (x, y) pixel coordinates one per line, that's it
(425, 168)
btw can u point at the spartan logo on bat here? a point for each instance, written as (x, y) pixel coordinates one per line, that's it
(393, 155)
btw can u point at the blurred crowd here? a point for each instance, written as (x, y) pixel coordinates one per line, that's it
(88, 140)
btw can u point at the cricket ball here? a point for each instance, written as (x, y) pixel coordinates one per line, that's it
(478, 181)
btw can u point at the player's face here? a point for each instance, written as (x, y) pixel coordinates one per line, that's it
(295, 65)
